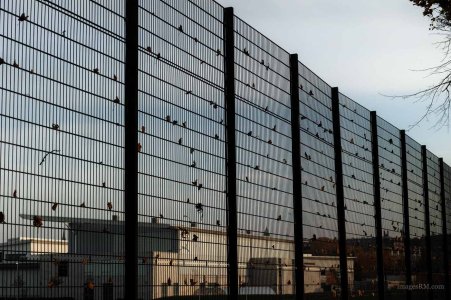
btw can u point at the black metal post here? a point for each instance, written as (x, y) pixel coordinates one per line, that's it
(445, 229)
(229, 94)
(297, 186)
(131, 151)
(377, 207)
(340, 194)
(405, 201)
(426, 216)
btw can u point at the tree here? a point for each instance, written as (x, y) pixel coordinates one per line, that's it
(439, 11)
(438, 95)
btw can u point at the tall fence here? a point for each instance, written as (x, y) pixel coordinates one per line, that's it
(155, 149)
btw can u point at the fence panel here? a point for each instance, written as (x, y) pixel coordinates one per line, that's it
(391, 206)
(447, 175)
(320, 227)
(61, 145)
(359, 197)
(62, 141)
(264, 165)
(416, 215)
(182, 169)
(435, 223)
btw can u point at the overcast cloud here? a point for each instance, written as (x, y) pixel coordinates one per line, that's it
(366, 48)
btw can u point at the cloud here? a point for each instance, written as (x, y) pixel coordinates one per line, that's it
(367, 48)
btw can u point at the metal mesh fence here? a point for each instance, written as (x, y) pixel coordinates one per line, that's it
(63, 127)
(416, 212)
(319, 214)
(264, 173)
(359, 195)
(61, 148)
(435, 223)
(447, 178)
(181, 149)
(391, 203)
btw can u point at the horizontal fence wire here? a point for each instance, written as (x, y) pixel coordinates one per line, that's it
(62, 132)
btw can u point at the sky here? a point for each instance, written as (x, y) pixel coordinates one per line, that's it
(369, 49)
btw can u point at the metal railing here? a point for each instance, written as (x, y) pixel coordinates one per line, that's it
(153, 149)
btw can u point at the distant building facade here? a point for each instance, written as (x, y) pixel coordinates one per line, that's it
(173, 261)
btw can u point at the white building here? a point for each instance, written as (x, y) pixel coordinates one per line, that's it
(34, 246)
(173, 261)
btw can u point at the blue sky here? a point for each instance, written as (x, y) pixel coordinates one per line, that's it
(366, 48)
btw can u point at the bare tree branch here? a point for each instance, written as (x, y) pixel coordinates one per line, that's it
(437, 96)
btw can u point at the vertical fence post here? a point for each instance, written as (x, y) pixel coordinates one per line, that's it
(297, 186)
(131, 150)
(427, 221)
(340, 194)
(405, 202)
(377, 206)
(229, 96)
(444, 226)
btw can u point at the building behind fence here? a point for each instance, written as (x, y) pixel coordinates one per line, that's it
(184, 153)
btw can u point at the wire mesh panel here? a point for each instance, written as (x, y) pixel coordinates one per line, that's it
(61, 145)
(391, 205)
(416, 214)
(359, 195)
(264, 167)
(435, 223)
(62, 163)
(182, 200)
(321, 261)
(447, 176)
